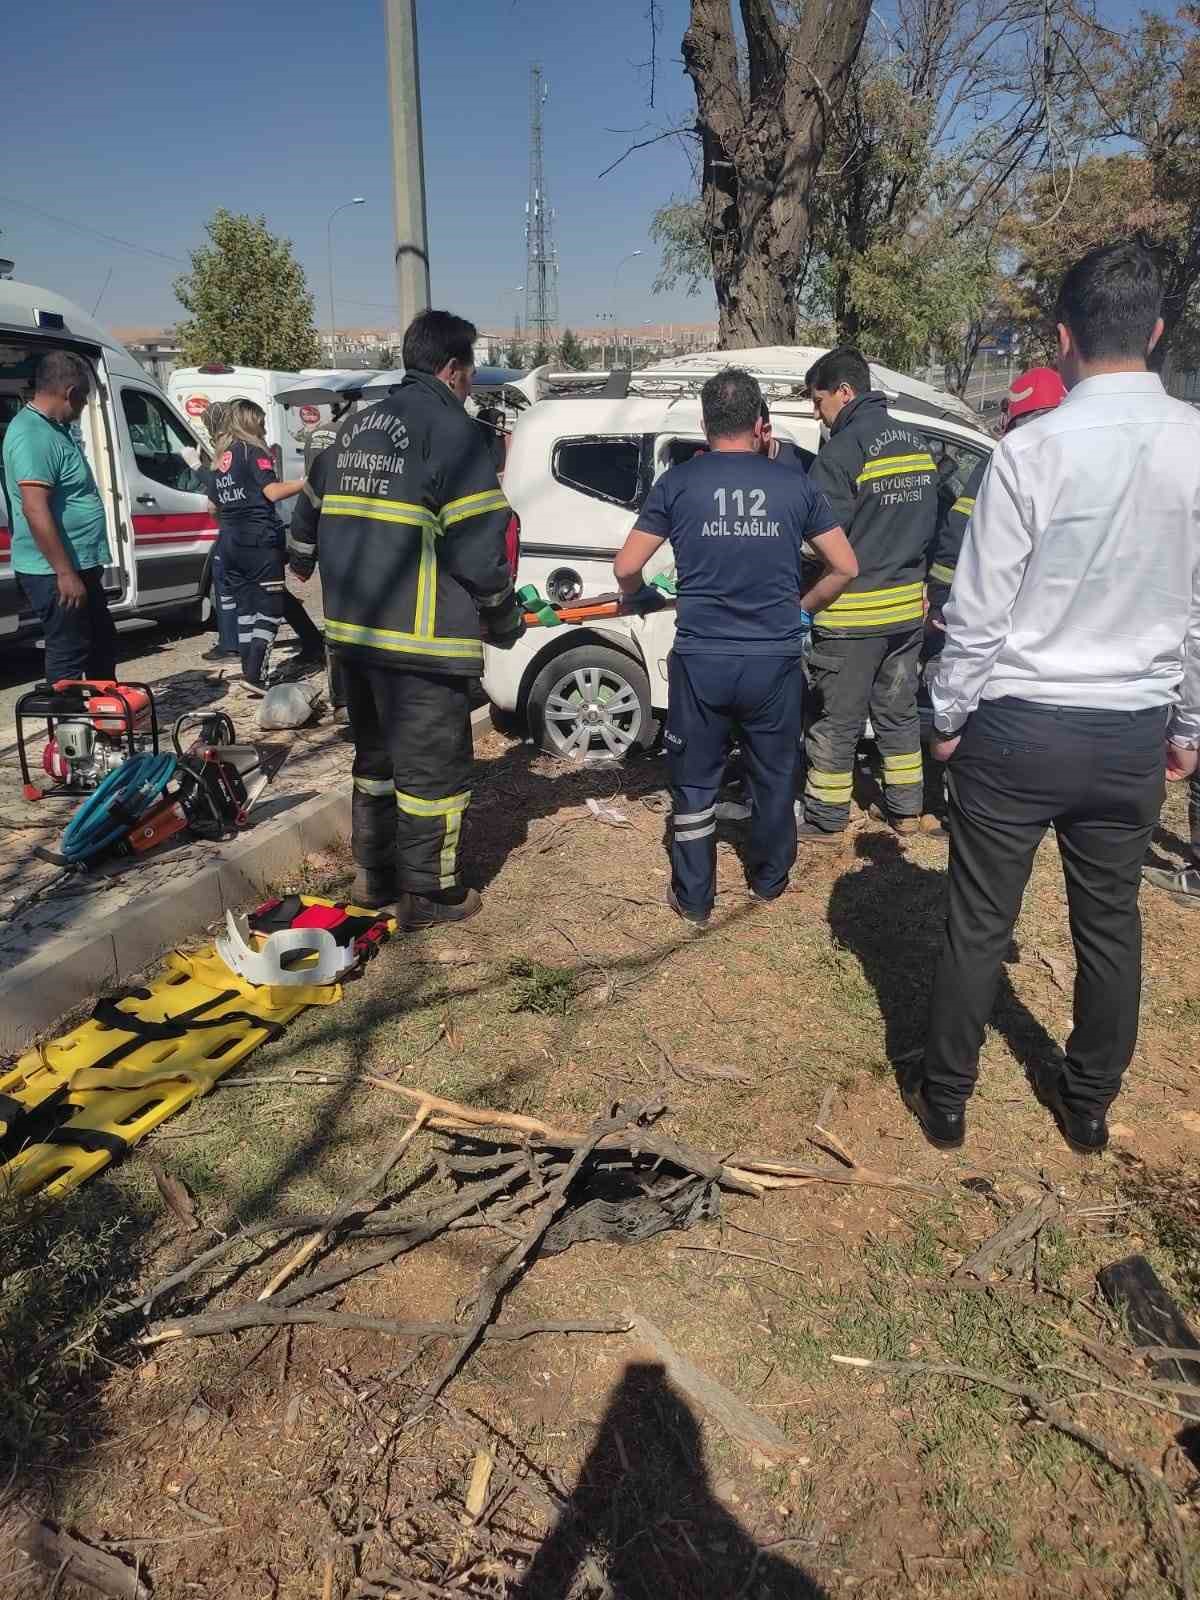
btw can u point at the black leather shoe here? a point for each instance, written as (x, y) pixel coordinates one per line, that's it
(1088, 1135)
(945, 1131)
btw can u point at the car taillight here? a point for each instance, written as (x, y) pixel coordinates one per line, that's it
(512, 543)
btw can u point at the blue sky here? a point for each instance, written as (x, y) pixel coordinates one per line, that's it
(140, 120)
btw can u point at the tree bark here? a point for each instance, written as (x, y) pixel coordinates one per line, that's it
(762, 135)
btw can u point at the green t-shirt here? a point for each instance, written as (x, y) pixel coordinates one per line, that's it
(37, 450)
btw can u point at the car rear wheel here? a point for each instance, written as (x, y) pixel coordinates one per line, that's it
(592, 702)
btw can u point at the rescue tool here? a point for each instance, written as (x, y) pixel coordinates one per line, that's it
(540, 613)
(92, 725)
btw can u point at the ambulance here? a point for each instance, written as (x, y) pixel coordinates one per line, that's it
(145, 457)
(193, 390)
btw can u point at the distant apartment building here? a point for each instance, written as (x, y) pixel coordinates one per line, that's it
(156, 350)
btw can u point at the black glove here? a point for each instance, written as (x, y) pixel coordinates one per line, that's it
(503, 631)
(646, 599)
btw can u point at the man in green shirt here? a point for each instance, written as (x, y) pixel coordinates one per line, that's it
(60, 532)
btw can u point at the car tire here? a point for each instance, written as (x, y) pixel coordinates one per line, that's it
(592, 702)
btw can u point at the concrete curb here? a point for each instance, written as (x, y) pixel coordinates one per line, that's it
(73, 967)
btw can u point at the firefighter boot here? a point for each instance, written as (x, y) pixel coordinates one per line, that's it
(446, 905)
(375, 888)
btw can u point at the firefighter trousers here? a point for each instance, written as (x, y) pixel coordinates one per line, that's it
(413, 758)
(849, 679)
(710, 696)
(254, 574)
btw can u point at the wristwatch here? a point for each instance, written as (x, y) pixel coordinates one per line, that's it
(1183, 743)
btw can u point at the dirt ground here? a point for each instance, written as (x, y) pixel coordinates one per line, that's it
(282, 1462)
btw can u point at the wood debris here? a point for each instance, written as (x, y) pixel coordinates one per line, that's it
(1011, 1251)
(732, 1414)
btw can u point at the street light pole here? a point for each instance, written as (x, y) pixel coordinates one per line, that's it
(630, 257)
(359, 200)
(408, 159)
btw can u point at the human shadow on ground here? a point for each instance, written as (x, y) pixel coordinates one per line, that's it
(890, 914)
(523, 786)
(642, 1522)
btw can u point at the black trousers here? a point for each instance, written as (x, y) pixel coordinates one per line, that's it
(254, 574)
(710, 696)
(81, 641)
(413, 758)
(849, 678)
(1097, 778)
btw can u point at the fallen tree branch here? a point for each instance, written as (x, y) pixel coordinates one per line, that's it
(1132, 1394)
(742, 1255)
(346, 1209)
(261, 1314)
(63, 1553)
(497, 1280)
(1151, 1484)
(758, 1169)
(448, 1116)
(1004, 1248)
(416, 1224)
(725, 1407)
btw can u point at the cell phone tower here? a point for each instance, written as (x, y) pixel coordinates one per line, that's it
(541, 258)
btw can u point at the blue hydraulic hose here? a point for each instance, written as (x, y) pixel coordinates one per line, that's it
(106, 816)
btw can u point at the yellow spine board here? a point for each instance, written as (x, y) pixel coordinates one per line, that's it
(120, 1104)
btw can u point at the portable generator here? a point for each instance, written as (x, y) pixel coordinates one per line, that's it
(91, 727)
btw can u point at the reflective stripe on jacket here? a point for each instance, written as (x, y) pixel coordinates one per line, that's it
(950, 537)
(407, 521)
(882, 485)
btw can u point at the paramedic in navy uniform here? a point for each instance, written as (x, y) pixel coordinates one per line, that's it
(737, 526)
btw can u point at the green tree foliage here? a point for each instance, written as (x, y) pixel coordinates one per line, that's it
(247, 300)
(571, 353)
(946, 108)
(1148, 108)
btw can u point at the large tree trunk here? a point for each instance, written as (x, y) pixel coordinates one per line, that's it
(762, 137)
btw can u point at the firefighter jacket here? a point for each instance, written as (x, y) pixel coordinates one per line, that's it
(407, 521)
(882, 485)
(951, 527)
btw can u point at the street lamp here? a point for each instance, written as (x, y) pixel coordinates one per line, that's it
(359, 200)
(633, 254)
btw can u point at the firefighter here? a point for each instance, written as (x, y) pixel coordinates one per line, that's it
(881, 483)
(407, 521)
(246, 489)
(737, 525)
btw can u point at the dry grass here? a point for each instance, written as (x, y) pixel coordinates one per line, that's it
(576, 987)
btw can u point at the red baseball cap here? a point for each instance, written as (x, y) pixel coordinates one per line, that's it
(1039, 389)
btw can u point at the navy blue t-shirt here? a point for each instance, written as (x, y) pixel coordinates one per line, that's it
(736, 523)
(235, 486)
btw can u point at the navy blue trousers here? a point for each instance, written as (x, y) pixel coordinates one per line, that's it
(81, 641)
(711, 696)
(226, 605)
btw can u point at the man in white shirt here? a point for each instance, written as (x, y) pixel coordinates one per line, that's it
(1070, 679)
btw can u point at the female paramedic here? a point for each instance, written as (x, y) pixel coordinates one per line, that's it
(245, 490)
